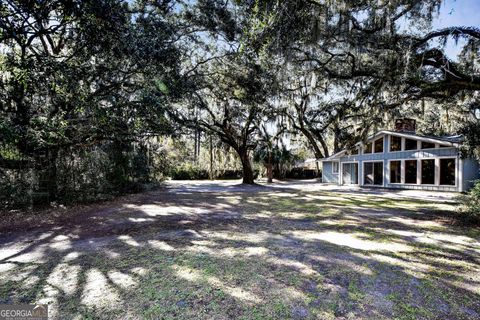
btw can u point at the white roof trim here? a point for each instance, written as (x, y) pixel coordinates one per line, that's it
(398, 134)
(333, 156)
(417, 137)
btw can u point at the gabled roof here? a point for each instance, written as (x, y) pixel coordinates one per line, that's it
(450, 141)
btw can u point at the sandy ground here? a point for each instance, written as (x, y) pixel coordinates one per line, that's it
(219, 249)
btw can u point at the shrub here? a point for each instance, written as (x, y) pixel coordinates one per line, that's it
(470, 204)
(232, 174)
(15, 188)
(189, 172)
(83, 175)
(300, 173)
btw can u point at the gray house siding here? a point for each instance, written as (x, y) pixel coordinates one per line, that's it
(327, 175)
(466, 170)
(471, 172)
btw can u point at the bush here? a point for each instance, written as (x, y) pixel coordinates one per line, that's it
(193, 172)
(470, 204)
(300, 173)
(15, 188)
(83, 175)
(189, 172)
(233, 174)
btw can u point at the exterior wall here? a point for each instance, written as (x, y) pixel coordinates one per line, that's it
(469, 168)
(327, 175)
(471, 172)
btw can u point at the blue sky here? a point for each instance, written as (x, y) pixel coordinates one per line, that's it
(457, 13)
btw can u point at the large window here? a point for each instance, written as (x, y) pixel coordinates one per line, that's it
(367, 148)
(447, 172)
(395, 143)
(395, 171)
(379, 146)
(410, 171)
(428, 171)
(411, 144)
(373, 174)
(427, 145)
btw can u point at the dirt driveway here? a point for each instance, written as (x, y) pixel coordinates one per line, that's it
(220, 250)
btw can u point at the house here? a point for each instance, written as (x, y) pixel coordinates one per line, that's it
(307, 164)
(405, 160)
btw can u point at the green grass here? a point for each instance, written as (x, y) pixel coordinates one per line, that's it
(300, 255)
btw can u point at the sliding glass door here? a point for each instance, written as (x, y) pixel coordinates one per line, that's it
(350, 173)
(373, 173)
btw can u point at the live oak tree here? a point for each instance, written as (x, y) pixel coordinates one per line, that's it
(230, 101)
(72, 76)
(384, 52)
(226, 87)
(78, 74)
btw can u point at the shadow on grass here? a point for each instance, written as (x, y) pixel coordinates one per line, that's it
(254, 255)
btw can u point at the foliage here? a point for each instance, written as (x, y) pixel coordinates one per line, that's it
(189, 172)
(83, 85)
(349, 66)
(85, 175)
(471, 131)
(279, 157)
(470, 204)
(72, 98)
(301, 173)
(15, 188)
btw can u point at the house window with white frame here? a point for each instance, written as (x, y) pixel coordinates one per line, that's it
(411, 144)
(447, 171)
(428, 171)
(411, 171)
(395, 171)
(395, 143)
(378, 146)
(335, 167)
(368, 148)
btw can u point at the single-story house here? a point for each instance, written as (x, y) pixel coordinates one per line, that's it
(405, 160)
(308, 164)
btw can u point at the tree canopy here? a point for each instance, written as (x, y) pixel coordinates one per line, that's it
(104, 78)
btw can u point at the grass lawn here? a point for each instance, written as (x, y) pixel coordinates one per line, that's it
(248, 253)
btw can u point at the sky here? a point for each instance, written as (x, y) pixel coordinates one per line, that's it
(457, 13)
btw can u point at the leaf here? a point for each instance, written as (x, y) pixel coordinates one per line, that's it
(162, 87)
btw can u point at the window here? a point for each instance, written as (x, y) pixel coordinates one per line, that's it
(427, 145)
(334, 167)
(411, 144)
(395, 143)
(368, 148)
(447, 172)
(379, 146)
(373, 174)
(428, 171)
(410, 171)
(395, 172)
(368, 173)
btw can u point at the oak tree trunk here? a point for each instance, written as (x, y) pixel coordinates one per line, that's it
(247, 168)
(269, 168)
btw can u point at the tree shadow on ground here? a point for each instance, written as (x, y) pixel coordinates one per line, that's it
(263, 254)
